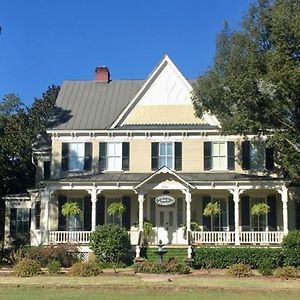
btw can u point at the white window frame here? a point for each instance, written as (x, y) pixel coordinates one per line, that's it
(166, 156)
(118, 166)
(76, 157)
(225, 156)
(254, 200)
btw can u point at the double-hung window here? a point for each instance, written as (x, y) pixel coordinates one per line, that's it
(219, 156)
(166, 155)
(114, 156)
(20, 220)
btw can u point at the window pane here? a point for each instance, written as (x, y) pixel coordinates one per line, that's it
(215, 163)
(215, 149)
(171, 221)
(169, 148)
(162, 149)
(222, 163)
(118, 149)
(170, 162)
(161, 161)
(222, 149)
(161, 219)
(110, 149)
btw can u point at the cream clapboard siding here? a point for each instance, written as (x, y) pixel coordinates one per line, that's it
(56, 158)
(192, 156)
(140, 156)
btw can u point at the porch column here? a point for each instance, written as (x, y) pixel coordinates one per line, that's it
(141, 211)
(46, 199)
(284, 199)
(94, 199)
(236, 199)
(188, 200)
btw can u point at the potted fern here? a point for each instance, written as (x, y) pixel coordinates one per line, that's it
(70, 210)
(259, 209)
(212, 210)
(116, 209)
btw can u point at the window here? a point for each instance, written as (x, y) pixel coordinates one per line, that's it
(257, 156)
(37, 213)
(114, 156)
(258, 223)
(47, 169)
(114, 219)
(167, 154)
(20, 220)
(76, 156)
(76, 222)
(219, 156)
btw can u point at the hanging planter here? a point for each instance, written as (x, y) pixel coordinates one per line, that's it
(212, 210)
(70, 208)
(259, 209)
(116, 208)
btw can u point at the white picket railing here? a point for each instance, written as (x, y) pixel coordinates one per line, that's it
(61, 237)
(261, 237)
(213, 237)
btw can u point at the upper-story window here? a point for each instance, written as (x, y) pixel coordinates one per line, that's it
(256, 156)
(114, 156)
(167, 154)
(76, 157)
(219, 155)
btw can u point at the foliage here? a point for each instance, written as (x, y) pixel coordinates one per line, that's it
(195, 226)
(27, 268)
(116, 208)
(265, 268)
(84, 269)
(253, 85)
(147, 228)
(222, 257)
(54, 266)
(14, 255)
(170, 266)
(260, 209)
(240, 270)
(66, 254)
(286, 272)
(70, 208)
(291, 248)
(212, 209)
(110, 243)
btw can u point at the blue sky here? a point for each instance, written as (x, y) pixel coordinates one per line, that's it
(44, 42)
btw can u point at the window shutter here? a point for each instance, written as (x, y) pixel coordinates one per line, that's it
(178, 156)
(245, 207)
(125, 156)
(47, 169)
(246, 155)
(207, 155)
(65, 157)
(270, 158)
(100, 211)
(126, 215)
(231, 212)
(154, 155)
(206, 220)
(102, 156)
(61, 219)
(271, 201)
(87, 213)
(88, 149)
(13, 221)
(230, 155)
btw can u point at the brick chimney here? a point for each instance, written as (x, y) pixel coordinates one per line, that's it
(102, 74)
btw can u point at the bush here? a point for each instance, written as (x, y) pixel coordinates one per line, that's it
(54, 267)
(291, 248)
(27, 268)
(286, 272)
(240, 270)
(110, 243)
(84, 269)
(66, 254)
(265, 268)
(222, 257)
(170, 266)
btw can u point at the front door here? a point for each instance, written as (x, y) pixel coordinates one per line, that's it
(166, 225)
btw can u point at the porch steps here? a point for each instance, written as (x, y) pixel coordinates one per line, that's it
(180, 253)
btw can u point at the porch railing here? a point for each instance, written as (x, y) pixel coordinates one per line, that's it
(60, 237)
(261, 237)
(213, 237)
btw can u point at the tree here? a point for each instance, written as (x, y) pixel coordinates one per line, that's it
(253, 85)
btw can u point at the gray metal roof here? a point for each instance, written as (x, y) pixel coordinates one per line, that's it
(167, 127)
(92, 105)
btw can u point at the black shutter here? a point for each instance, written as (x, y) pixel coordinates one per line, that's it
(154, 156)
(230, 155)
(64, 156)
(207, 155)
(271, 201)
(206, 220)
(125, 156)
(87, 213)
(270, 158)
(88, 148)
(126, 215)
(231, 212)
(47, 169)
(102, 156)
(61, 219)
(13, 221)
(245, 207)
(178, 156)
(246, 155)
(100, 213)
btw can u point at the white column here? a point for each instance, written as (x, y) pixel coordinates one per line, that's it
(284, 199)
(141, 210)
(188, 200)
(46, 200)
(94, 199)
(236, 199)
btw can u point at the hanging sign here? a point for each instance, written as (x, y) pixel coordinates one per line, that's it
(165, 200)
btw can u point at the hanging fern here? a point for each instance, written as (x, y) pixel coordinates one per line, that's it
(260, 209)
(70, 208)
(116, 208)
(212, 209)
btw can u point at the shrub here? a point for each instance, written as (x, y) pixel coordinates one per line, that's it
(265, 268)
(222, 257)
(286, 272)
(84, 269)
(54, 267)
(110, 243)
(27, 268)
(291, 248)
(240, 270)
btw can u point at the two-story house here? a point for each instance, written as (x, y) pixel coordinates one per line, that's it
(138, 142)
